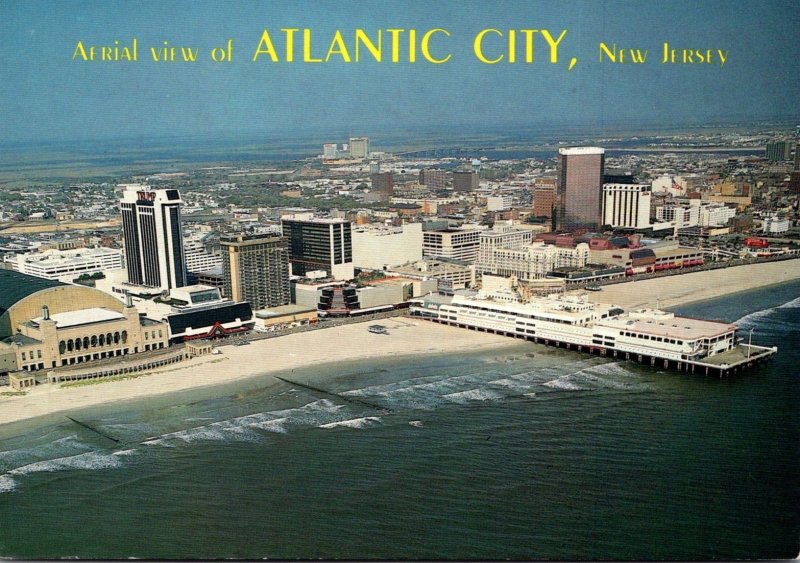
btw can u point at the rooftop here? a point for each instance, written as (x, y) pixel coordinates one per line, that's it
(15, 286)
(82, 317)
(283, 310)
(20, 338)
(581, 150)
(650, 321)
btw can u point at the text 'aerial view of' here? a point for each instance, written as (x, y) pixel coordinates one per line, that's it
(399, 280)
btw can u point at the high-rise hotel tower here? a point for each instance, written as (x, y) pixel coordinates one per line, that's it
(317, 244)
(580, 188)
(151, 225)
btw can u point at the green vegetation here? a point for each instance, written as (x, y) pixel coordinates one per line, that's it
(13, 394)
(99, 380)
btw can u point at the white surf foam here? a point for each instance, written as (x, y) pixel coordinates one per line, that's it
(89, 461)
(357, 423)
(7, 484)
(415, 423)
(276, 425)
(752, 319)
(57, 448)
(250, 428)
(473, 395)
(564, 384)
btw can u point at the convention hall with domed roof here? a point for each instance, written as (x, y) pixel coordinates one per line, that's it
(47, 324)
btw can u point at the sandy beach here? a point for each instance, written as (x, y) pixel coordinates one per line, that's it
(672, 291)
(353, 342)
(349, 342)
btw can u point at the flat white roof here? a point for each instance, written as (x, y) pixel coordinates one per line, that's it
(83, 317)
(581, 150)
(675, 327)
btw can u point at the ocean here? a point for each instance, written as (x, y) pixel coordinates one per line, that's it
(526, 453)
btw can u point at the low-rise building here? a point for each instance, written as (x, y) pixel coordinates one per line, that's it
(55, 264)
(380, 247)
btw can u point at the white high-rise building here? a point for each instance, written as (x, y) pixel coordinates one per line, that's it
(359, 147)
(329, 151)
(151, 225)
(626, 206)
(502, 235)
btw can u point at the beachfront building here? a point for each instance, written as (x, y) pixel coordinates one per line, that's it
(502, 235)
(536, 260)
(151, 225)
(256, 269)
(317, 244)
(200, 312)
(46, 324)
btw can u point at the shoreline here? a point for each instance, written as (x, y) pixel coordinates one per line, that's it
(407, 337)
(693, 287)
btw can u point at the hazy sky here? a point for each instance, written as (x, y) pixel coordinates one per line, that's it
(45, 94)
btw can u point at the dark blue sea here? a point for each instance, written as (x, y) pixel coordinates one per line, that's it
(528, 452)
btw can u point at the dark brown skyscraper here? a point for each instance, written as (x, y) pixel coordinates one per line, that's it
(465, 181)
(580, 187)
(383, 183)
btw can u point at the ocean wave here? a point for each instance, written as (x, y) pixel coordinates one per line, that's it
(564, 384)
(752, 319)
(473, 395)
(612, 375)
(7, 484)
(423, 383)
(57, 448)
(357, 423)
(250, 428)
(509, 383)
(276, 425)
(87, 461)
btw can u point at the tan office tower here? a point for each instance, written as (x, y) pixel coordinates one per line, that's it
(256, 269)
(580, 188)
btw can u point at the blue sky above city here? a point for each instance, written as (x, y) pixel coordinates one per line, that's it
(46, 95)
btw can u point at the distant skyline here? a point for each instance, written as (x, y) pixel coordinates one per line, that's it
(46, 95)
